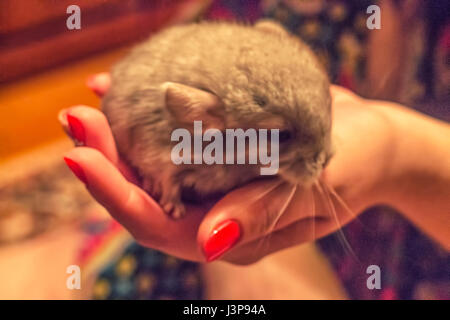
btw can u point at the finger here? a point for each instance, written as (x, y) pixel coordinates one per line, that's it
(99, 83)
(294, 234)
(330, 215)
(270, 205)
(133, 207)
(130, 205)
(89, 127)
(340, 94)
(336, 90)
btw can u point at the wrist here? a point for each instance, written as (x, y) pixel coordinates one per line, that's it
(403, 145)
(415, 167)
(395, 164)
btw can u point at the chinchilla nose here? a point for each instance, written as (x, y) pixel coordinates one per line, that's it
(327, 159)
(322, 158)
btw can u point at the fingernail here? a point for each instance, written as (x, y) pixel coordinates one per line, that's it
(92, 84)
(62, 118)
(222, 238)
(98, 83)
(76, 128)
(76, 169)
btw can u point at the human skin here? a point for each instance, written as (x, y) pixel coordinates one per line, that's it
(385, 154)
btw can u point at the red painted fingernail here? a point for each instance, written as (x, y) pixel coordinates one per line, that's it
(222, 238)
(76, 169)
(76, 128)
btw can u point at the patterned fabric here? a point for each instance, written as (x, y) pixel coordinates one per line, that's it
(23, 214)
(335, 30)
(412, 266)
(141, 273)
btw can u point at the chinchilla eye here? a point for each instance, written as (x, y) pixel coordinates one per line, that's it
(260, 101)
(285, 135)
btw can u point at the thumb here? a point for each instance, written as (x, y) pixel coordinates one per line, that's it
(250, 213)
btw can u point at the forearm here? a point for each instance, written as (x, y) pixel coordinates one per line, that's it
(418, 182)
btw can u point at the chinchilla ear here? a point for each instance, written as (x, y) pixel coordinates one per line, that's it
(188, 104)
(271, 26)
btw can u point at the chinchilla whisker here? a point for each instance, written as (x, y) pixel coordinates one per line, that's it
(274, 223)
(342, 202)
(283, 208)
(323, 189)
(261, 195)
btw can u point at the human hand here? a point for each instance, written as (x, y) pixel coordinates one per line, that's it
(248, 223)
(95, 161)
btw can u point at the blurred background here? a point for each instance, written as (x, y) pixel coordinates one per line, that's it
(48, 221)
